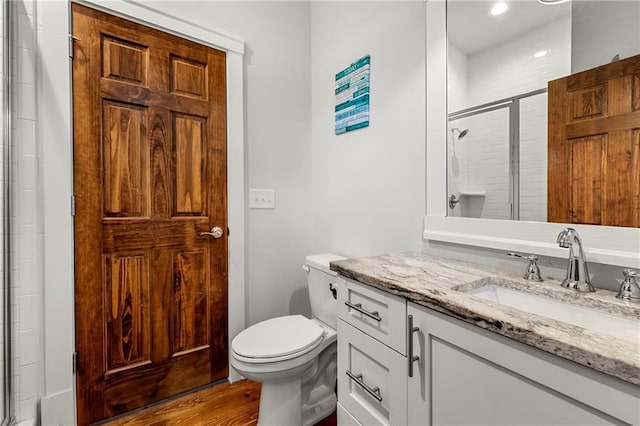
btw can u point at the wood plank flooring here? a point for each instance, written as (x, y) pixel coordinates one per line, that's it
(224, 404)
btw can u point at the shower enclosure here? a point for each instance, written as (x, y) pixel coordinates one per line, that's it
(497, 165)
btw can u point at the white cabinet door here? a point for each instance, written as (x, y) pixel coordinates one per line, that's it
(372, 379)
(468, 376)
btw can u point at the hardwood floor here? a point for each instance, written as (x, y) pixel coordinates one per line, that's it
(220, 405)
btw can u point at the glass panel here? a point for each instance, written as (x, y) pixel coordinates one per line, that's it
(478, 164)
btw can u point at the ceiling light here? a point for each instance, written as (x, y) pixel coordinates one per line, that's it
(499, 8)
(552, 1)
(540, 53)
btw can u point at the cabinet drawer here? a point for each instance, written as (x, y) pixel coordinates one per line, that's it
(379, 314)
(372, 379)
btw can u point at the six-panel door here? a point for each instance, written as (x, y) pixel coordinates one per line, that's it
(149, 178)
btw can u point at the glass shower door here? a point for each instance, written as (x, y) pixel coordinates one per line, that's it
(479, 164)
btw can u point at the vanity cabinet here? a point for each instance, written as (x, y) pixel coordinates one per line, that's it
(461, 374)
(372, 366)
(467, 375)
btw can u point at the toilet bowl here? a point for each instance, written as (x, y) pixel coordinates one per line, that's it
(294, 357)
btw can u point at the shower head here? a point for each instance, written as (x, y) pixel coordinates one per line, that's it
(461, 133)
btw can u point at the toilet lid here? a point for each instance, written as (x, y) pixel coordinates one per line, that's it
(278, 337)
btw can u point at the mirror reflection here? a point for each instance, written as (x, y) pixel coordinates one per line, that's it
(500, 57)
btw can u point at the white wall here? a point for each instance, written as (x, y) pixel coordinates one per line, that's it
(603, 29)
(368, 185)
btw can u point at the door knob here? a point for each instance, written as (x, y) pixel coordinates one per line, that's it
(216, 232)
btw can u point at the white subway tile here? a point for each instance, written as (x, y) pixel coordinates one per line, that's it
(28, 382)
(27, 172)
(27, 242)
(26, 32)
(29, 347)
(26, 101)
(26, 66)
(28, 312)
(28, 412)
(27, 277)
(27, 135)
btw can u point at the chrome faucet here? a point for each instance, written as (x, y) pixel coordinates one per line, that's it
(577, 272)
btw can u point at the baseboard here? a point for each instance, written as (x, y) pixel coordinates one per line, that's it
(58, 409)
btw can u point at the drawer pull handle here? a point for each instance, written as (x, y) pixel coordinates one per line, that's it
(375, 392)
(410, 357)
(358, 307)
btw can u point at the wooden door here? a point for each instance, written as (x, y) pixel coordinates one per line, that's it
(594, 146)
(149, 177)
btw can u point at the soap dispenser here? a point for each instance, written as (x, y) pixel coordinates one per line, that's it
(629, 289)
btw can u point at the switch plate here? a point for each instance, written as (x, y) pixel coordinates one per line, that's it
(262, 198)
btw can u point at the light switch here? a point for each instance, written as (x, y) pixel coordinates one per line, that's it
(262, 198)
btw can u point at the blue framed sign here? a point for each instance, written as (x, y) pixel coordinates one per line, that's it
(352, 96)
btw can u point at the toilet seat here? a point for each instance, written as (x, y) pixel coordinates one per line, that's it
(277, 339)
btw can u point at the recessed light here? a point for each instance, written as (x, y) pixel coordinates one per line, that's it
(552, 1)
(540, 53)
(499, 8)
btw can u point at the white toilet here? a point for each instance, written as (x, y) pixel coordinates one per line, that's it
(295, 357)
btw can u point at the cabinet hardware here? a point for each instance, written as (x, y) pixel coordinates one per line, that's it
(375, 392)
(410, 330)
(358, 307)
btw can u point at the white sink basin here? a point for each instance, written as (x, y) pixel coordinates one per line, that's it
(622, 328)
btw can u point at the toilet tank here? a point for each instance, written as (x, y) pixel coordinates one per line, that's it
(321, 280)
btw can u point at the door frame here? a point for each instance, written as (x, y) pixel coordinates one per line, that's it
(54, 129)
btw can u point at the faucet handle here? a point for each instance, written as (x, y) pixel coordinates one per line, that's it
(533, 270)
(629, 289)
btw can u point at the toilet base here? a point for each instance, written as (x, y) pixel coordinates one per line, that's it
(280, 404)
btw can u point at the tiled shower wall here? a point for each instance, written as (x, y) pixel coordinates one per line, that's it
(510, 68)
(27, 220)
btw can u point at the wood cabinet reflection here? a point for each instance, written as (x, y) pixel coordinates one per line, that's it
(594, 146)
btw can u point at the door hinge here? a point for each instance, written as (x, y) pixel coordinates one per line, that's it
(72, 38)
(73, 205)
(74, 361)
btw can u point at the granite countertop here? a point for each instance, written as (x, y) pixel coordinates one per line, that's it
(439, 284)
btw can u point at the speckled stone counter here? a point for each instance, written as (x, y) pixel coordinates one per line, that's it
(440, 283)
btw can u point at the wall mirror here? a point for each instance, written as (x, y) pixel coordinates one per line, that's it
(500, 57)
(474, 98)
